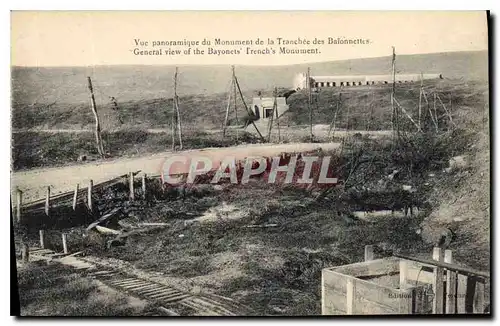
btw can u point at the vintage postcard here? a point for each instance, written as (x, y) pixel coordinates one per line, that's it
(257, 163)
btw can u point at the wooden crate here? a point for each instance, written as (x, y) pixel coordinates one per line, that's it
(399, 286)
(354, 289)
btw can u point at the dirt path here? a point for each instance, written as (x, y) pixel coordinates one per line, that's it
(34, 182)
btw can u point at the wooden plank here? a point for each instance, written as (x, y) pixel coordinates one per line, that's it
(366, 307)
(479, 298)
(437, 307)
(374, 267)
(451, 285)
(403, 274)
(89, 195)
(131, 186)
(453, 267)
(19, 203)
(333, 293)
(106, 230)
(105, 217)
(382, 295)
(42, 239)
(65, 245)
(461, 293)
(47, 202)
(350, 296)
(144, 178)
(75, 197)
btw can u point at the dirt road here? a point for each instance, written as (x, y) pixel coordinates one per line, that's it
(34, 182)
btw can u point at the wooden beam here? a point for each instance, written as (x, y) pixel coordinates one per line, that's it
(65, 245)
(479, 298)
(42, 239)
(403, 274)
(437, 302)
(309, 99)
(75, 197)
(47, 202)
(176, 102)
(451, 285)
(144, 178)
(131, 195)
(89, 196)
(246, 108)
(224, 126)
(19, 203)
(453, 267)
(350, 296)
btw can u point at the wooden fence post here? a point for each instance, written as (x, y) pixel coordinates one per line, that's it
(144, 185)
(368, 252)
(451, 284)
(479, 299)
(47, 202)
(65, 245)
(25, 252)
(131, 185)
(350, 296)
(89, 195)
(42, 239)
(403, 274)
(75, 196)
(19, 203)
(437, 302)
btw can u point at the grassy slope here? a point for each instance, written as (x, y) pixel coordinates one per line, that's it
(58, 97)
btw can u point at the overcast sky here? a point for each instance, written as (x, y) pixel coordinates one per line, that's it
(103, 38)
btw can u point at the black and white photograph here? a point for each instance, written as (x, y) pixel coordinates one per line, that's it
(250, 163)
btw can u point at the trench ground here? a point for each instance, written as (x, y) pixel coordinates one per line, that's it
(208, 245)
(276, 270)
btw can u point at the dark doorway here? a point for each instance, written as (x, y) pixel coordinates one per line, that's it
(257, 112)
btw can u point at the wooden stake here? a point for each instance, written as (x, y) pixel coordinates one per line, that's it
(479, 298)
(368, 252)
(393, 90)
(403, 274)
(47, 202)
(437, 303)
(173, 124)
(451, 285)
(309, 99)
(75, 197)
(131, 195)
(350, 296)
(98, 137)
(435, 112)
(42, 239)
(65, 245)
(246, 108)
(224, 126)
(89, 195)
(277, 115)
(234, 91)
(176, 101)
(19, 203)
(25, 252)
(144, 185)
